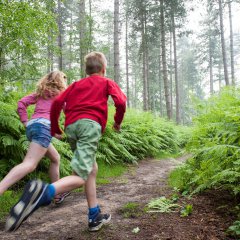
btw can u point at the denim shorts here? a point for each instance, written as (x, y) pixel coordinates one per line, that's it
(38, 131)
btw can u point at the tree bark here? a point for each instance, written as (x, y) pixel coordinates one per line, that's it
(231, 43)
(223, 43)
(164, 62)
(127, 66)
(210, 65)
(60, 28)
(175, 69)
(116, 42)
(82, 35)
(144, 62)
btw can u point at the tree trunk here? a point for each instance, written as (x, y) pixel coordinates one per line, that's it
(116, 42)
(211, 65)
(171, 73)
(90, 26)
(175, 69)
(223, 43)
(144, 62)
(60, 28)
(164, 63)
(231, 44)
(82, 35)
(160, 83)
(127, 66)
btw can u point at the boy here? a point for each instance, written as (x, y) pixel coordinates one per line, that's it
(86, 110)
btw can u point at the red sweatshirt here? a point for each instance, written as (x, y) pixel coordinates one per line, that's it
(88, 98)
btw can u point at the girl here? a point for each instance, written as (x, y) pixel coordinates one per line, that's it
(38, 131)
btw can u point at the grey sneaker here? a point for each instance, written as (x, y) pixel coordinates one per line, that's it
(27, 204)
(98, 222)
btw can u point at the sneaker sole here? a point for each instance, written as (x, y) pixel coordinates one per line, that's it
(63, 198)
(24, 207)
(97, 228)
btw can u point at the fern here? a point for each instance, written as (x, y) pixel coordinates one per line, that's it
(215, 144)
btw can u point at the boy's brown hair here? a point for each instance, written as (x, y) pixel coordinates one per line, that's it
(95, 62)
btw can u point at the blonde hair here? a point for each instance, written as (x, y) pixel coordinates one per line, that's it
(95, 62)
(51, 84)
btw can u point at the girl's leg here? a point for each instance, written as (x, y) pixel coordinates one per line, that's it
(54, 157)
(34, 155)
(90, 187)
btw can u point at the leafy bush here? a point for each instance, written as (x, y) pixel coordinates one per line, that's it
(215, 145)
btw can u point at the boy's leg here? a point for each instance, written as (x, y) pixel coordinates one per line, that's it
(34, 155)
(37, 194)
(90, 188)
(95, 218)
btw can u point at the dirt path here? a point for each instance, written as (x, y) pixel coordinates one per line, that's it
(140, 184)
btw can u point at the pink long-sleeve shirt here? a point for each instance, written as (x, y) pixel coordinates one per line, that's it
(42, 108)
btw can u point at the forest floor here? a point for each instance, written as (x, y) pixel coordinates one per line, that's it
(208, 221)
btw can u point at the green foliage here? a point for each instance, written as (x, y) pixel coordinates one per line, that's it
(25, 28)
(186, 211)
(12, 141)
(142, 135)
(215, 146)
(162, 205)
(7, 200)
(234, 229)
(131, 210)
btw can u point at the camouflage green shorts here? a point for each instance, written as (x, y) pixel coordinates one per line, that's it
(83, 137)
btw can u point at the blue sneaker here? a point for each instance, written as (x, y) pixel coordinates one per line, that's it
(32, 198)
(97, 223)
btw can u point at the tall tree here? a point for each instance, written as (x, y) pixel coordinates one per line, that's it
(175, 63)
(116, 43)
(82, 35)
(164, 61)
(231, 42)
(223, 42)
(126, 52)
(60, 35)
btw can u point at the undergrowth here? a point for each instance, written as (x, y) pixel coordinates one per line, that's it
(215, 146)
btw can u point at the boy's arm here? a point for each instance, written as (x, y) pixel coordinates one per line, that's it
(56, 108)
(23, 103)
(119, 99)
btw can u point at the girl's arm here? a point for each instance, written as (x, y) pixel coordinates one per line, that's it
(22, 106)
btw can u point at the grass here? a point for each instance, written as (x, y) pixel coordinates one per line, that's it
(7, 200)
(106, 172)
(131, 210)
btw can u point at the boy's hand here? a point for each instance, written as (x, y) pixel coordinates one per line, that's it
(58, 136)
(117, 127)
